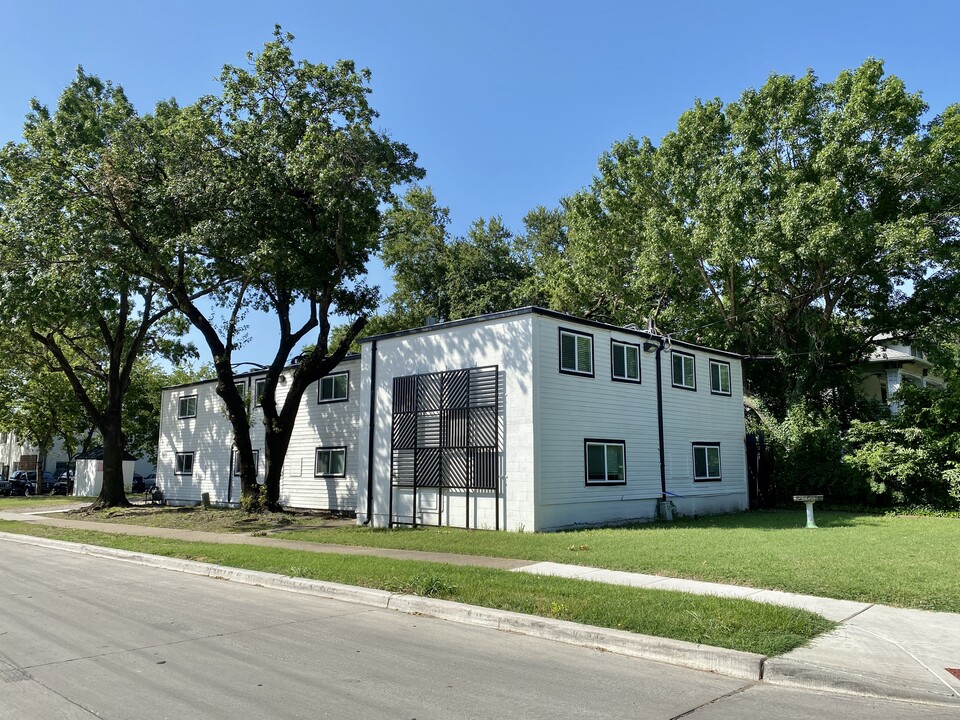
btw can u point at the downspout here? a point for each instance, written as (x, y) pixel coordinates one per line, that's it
(373, 413)
(663, 467)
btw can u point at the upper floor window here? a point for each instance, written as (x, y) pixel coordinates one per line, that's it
(334, 387)
(706, 461)
(241, 388)
(605, 462)
(576, 352)
(684, 370)
(259, 388)
(187, 407)
(719, 377)
(625, 361)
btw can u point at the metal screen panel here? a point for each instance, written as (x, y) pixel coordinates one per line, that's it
(445, 434)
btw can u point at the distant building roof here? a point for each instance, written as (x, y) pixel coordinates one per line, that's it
(97, 454)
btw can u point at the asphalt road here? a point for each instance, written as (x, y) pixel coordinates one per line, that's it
(84, 637)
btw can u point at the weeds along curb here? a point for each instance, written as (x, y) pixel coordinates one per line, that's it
(733, 663)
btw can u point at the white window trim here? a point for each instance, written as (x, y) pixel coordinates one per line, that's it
(576, 370)
(719, 390)
(330, 450)
(707, 447)
(673, 374)
(257, 394)
(587, 443)
(181, 415)
(332, 379)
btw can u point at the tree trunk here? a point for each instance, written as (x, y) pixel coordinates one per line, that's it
(275, 445)
(112, 493)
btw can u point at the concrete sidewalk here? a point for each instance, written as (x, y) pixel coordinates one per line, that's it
(877, 651)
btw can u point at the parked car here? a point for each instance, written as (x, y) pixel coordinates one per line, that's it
(47, 481)
(64, 483)
(4, 486)
(150, 480)
(23, 482)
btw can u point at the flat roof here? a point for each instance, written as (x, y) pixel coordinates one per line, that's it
(565, 317)
(249, 373)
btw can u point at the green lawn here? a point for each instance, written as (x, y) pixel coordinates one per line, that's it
(736, 624)
(902, 561)
(41, 502)
(905, 561)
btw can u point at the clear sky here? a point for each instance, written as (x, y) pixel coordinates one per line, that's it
(508, 104)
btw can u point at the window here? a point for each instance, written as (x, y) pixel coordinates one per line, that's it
(333, 388)
(719, 377)
(706, 461)
(331, 462)
(684, 370)
(188, 407)
(624, 361)
(259, 387)
(605, 462)
(184, 464)
(241, 388)
(236, 462)
(576, 353)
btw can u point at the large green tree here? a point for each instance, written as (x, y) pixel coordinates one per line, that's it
(279, 183)
(67, 211)
(789, 224)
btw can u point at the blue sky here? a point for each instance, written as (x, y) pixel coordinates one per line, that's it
(508, 104)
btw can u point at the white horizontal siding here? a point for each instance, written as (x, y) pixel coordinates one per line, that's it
(574, 408)
(702, 417)
(333, 424)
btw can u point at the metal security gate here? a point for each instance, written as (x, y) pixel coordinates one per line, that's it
(446, 437)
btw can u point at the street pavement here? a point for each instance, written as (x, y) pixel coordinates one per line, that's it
(877, 651)
(84, 637)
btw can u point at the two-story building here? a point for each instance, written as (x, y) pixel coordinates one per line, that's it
(527, 420)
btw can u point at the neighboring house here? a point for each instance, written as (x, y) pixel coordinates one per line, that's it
(892, 363)
(526, 420)
(88, 475)
(17, 455)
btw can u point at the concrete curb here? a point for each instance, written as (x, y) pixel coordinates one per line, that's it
(791, 673)
(733, 663)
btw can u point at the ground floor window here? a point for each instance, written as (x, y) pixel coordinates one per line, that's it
(236, 462)
(706, 461)
(184, 463)
(331, 462)
(605, 462)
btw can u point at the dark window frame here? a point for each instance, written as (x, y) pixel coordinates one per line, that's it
(329, 449)
(673, 373)
(187, 416)
(576, 333)
(331, 377)
(234, 461)
(605, 443)
(177, 464)
(720, 363)
(707, 446)
(624, 344)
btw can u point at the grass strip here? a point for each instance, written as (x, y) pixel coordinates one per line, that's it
(899, 561)
(722, 622)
